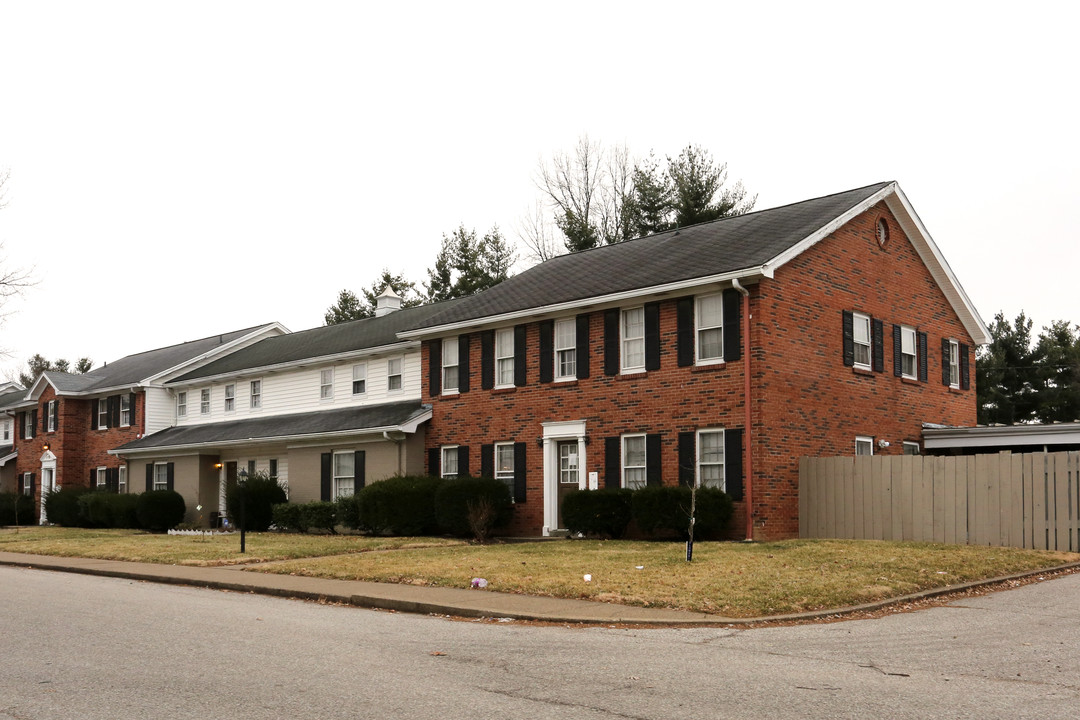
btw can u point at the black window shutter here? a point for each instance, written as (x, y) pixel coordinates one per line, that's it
(923, 374)
(325, 477)
(56, 411)
(684, 316)
(878, 347)
(965, 370)
(945, 365)
(520, 358)
(112, 480)
(547, 351)
(170, 477)
(33, 485)
(732, 325)
(487, 359)
(433, 462)
(463, 459)
(93, 414)
(45, 417)
(114, 411)
(652, 336)
(149, 476)
(435, 367)
(463, 363)
(612, 462)
(897, 356)
(359, 470)
(519, 472)
(687, 459)
(582, 346)
(849, 338)
(733, 470)
(653, 460)
(611, 341)
(93, 478)
(487, 461)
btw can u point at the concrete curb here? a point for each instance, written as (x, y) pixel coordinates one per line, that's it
(456, 601)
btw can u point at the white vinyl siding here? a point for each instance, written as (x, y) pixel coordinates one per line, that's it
(160, 410)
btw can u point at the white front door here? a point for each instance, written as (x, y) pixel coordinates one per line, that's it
(564, 467)
(48, 484)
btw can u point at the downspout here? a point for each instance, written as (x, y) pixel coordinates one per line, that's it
(747, 451)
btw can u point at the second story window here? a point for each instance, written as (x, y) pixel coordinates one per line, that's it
(450, 365)
(954, 364)
(50, 409)
(126, 411)
(230, 398)
(633, 339)
(565, 348)
(710, 328)
(359, 379)
(326, 384)
(7, 430)
(908, 354)
(102, 413)
(204, 401)
(504, 358)
(181, 404)
(393, 375)
(861, 329)
(256, 394)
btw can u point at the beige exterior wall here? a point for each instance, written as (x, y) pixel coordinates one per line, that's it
(195, 477)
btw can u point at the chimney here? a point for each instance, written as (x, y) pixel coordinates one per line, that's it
(387, 302)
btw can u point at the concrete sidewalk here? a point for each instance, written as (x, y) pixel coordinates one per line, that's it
(439, 600)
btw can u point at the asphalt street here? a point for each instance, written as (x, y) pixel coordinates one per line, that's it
(76, 646)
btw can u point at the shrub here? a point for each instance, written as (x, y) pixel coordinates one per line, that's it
(399, 505)
(665, 510)
(160, 510)
(108, 510)
(461, 501)
(62, 506)
(598, 512)
(322, 515)
(259, 493)
(10, 503)
(347, 511)
(289, 517)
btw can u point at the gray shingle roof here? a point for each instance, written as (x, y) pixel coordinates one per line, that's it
(319, 342)
(386, 415)
(697, 251)
(12, 398)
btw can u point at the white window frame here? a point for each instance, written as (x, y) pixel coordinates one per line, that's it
(864, 441)
(909, 446)
(909, 341)
(861, 321)
(204, 401)
(326, 384)
(161, 476)
(395, 368)
(28, 484)
(446, 452)
(121, 479)
(50, 420)
(255, 394)
(230, 397)
(101, 477)
(272, 470)
(126, 399)
(181, 404)
(501, 472)
(954, 364)
(504, 358)
(628, 341)
(703, 463)
(339, 478)
(642, 469)
(28, 425)
(103, 413)
(7, 430)
(450, 378)
(252, 467)
(565, 349)
(700, 328)
(570, 474)
(359, 379)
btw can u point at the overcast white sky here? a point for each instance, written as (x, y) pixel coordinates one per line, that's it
(184, 169)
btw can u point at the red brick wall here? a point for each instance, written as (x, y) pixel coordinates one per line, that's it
(805, 401)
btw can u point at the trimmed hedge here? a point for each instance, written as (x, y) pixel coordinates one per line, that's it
(12, 502)
(467, 506)
(403, 505)
(109, 510)
(598, 512)
(160, 510)
(319, 514)
(289, 517)
(260, 492)
(664, 510)
(62, 506)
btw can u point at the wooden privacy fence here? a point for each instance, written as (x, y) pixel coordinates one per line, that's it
(1028, 501)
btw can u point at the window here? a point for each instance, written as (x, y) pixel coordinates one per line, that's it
(326, 384)
(273, 467)
(102, 413)
(908, 355)
(633, 344)
(50, 413)
(359, 379)
(912, 448)
(181, 404)
(954, 364)
(568, 462)
(861, 329)
(344, 474)
(102, 477)
(204, 402)
(125, 410)
(633, 461)
(504, 357)
(565, 349)
(256, 394)
(710, 328)
(449, 461)
(864, 445)
(230, 398)
(28, 484)
(450, 365)
(504, 465)
(7, 430)
(28, 425)
(251, 468)
(121, 479)
(161, 476)
(710, 459)
(393, 375)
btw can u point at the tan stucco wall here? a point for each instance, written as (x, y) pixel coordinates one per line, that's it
(382, 460)
(194, 477)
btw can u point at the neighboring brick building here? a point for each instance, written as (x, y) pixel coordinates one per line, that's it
(630, 364)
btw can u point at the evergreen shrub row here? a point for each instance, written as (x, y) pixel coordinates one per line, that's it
(656, 511)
